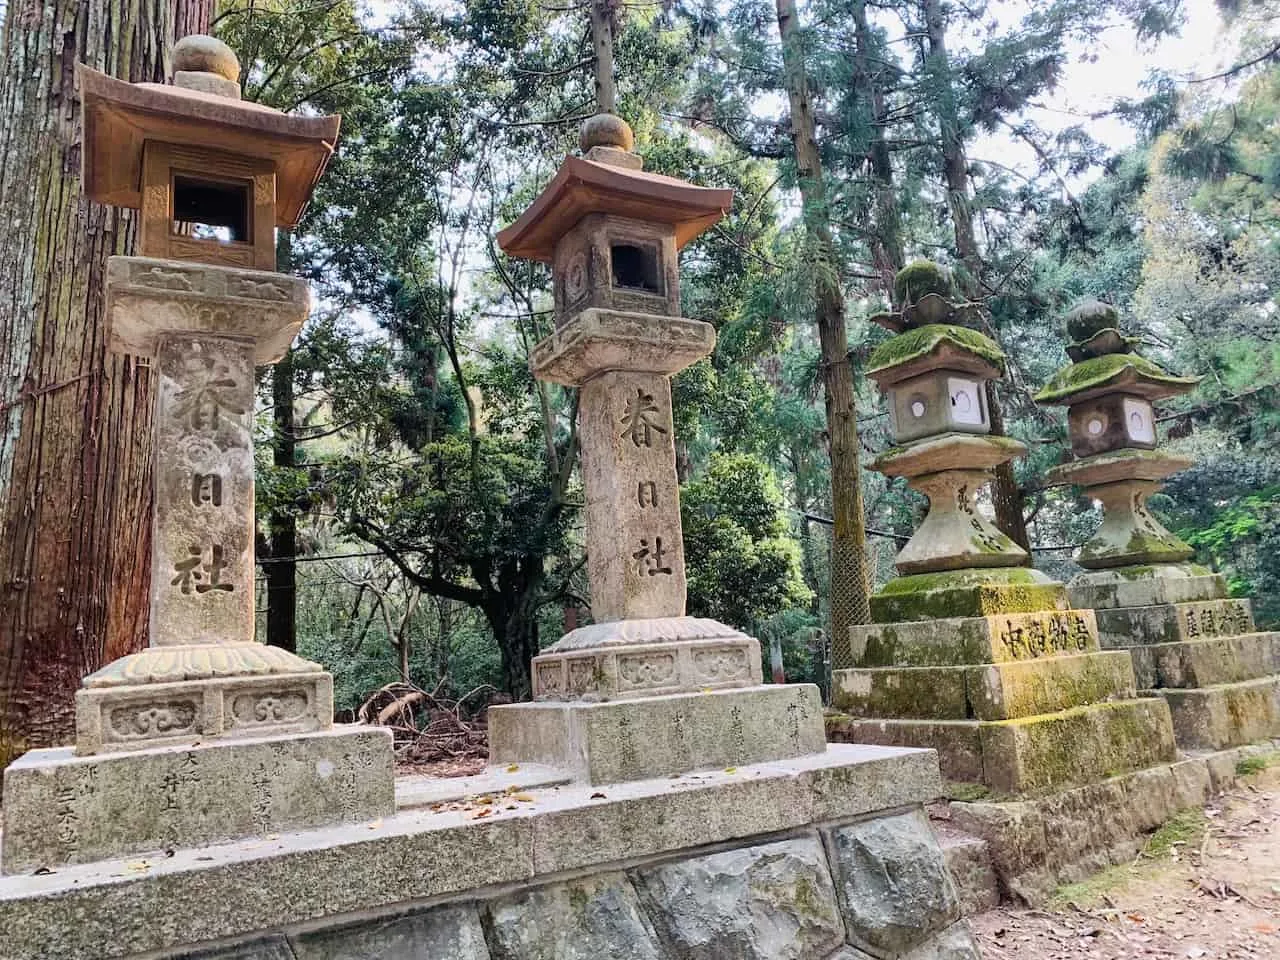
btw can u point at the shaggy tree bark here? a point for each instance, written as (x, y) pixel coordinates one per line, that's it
(75, 439)
(849, 600)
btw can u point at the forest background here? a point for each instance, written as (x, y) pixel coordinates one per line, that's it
(419, 513)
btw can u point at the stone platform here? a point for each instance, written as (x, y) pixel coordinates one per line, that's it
(827, 857)
(1022, 851)
(626, 740)
(62, 809)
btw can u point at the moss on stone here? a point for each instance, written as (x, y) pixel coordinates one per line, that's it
(1100, 371)
(918, 278)
(924, 340)
(971, 592)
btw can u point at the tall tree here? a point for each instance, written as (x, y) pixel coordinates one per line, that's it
(75, 446)
(849, 587)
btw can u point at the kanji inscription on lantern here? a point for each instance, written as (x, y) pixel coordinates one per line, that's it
(642, 419)
(206, 488)
(195, 573)
(209, 393)
(650, 560)
(647, 493)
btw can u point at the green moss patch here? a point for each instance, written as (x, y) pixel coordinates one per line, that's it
(966, 593)
(1101, 371)
(924, 340)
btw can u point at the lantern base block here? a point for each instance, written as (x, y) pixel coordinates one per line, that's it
(628, 740)
(143, 715)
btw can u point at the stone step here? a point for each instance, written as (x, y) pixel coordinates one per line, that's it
(1226, 714)
(1203, 663)
(997, 638)
(1144, 586)
(968, 859)
(1032, 754)
(996, 691)
(1173, 622)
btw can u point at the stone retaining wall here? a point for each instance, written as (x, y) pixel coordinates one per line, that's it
(873, 889)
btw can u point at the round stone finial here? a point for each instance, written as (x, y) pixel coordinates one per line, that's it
(1090, 317)
(199, 53)
(918, 279)
(606, 130)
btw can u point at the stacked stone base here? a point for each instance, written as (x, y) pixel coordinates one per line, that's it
(1021, 702)
(61, 809)
(1196, 649)
(828, 857)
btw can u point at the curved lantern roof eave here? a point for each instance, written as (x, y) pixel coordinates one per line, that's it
(1126, 373)
(581, 187)
(119, 117)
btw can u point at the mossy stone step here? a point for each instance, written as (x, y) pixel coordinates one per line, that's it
(973, 592)
(1226, 714)
(997, 638)
(1032, 754)
(997, 691)
(1204, 663)
(1145, 585)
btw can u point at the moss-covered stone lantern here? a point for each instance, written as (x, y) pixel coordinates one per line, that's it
(1190, 643)
(971, 652)
(934, 374)
(1108, 391)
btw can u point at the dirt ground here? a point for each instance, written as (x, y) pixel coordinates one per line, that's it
(1206, 888)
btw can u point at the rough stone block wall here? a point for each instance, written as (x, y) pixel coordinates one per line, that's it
(875, 889)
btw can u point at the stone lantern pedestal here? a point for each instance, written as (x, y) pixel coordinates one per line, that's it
(970, 652)
(1191, 643)
(206, 735)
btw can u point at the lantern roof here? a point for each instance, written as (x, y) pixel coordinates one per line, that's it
(1106, 362)
(584, 186)
(1128, 373)
(119, 117)
(935, 346)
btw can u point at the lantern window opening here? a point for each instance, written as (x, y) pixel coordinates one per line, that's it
(967, 401)
(211, 209)
(635, 267)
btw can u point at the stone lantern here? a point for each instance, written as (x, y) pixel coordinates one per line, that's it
(645, 690)
(934, 374)
(1190, 643)
(207, 734)
(971, 652)
(1108, 392)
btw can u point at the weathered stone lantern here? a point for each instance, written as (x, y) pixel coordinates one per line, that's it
(645, 690)
(971, 652)
(1108, 392)
(207, 734)
(1190, 642)
(933, 383)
